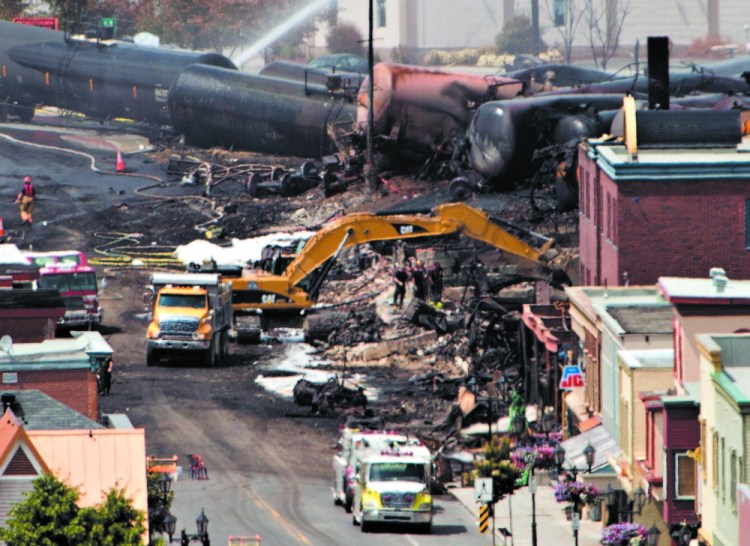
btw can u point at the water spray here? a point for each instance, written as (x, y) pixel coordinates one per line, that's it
(298, 18)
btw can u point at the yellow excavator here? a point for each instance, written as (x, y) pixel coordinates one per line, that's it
(259, 293)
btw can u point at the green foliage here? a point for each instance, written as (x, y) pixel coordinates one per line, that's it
(497, 465)
(517, 36)
(405, 55)
(12, 8)
(345, 38)
(49, 516)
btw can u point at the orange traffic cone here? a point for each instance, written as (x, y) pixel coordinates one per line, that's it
(120, 163)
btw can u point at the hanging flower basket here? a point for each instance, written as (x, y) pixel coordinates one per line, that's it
(624, 534)
(577, 493)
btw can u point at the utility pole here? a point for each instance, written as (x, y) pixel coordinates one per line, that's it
(370, 171)
(535, 24)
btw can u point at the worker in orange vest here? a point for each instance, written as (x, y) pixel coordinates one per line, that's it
(25, 200)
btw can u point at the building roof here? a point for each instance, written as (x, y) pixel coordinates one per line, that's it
(96, 460)
(648, 358)
(38, 411)
(679, 164)
(13, 438)
(68, 353)
(606, 448)
(643, 319)
(682, 290)
(586, 297)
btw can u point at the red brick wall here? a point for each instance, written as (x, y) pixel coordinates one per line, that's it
(659, 228)
(74, 388)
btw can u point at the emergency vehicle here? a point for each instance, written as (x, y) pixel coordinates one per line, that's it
(394, 487)
(354, 444)
(78, 288)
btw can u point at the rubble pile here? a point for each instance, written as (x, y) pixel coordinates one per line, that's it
(360, 326)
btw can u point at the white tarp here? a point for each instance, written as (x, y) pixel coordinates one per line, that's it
(241, 252)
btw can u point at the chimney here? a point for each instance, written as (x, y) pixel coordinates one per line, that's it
(658, 73)
(719, 277)
(7, 399)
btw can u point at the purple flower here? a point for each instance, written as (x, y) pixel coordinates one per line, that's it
(540, 456)
(622, 534)
(576, 492)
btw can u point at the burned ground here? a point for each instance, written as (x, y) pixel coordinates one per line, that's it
(417, 370)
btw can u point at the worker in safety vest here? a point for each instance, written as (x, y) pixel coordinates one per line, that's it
(25, 201)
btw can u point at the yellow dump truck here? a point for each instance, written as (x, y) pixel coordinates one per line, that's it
(190, 313)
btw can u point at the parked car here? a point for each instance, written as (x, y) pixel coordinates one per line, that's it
(341, 62)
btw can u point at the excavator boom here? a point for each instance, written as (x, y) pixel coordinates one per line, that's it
(362, 227)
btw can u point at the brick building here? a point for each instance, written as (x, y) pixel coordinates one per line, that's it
(670, 212)
(62, 368)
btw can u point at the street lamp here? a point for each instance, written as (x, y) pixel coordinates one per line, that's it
(161, 520)
(626, 511)
(170, 524)
(683, 535)
(652, 536)
(518, 425)
(202, 535)
(589, 453)
(546, 423)
(532, 490)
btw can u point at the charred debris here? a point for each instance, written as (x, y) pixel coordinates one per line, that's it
(480, 132)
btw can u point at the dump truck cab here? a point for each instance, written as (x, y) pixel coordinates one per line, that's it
(191, 313)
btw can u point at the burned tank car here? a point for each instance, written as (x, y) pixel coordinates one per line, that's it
(102, 79)
(333, 79)
(503, 135)
(214, 106)
(417, 108)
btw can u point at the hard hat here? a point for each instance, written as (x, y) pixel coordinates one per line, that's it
(27, 179)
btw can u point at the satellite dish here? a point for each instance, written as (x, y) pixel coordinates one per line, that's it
(6, 342)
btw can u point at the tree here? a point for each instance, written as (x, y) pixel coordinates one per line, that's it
(11, 8)
(605, 20)
(565, 16)
(345, 38)
(49, 516)
(70, 12)
(517, 36)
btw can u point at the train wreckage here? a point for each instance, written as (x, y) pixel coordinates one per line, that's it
(479, 131)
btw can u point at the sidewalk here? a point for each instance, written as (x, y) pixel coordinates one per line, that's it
(552, 527)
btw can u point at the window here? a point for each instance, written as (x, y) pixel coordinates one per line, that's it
(715, 460)
(704, 450)
(733, 479)
(381, 13)
(684, 485)
(722, 472)
(747, 223)
(558, 12)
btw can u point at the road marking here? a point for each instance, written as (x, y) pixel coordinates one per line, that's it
(302, 539)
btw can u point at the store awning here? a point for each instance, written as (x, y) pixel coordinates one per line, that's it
(606, 448)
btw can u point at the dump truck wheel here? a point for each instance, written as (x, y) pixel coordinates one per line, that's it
(320, 325)
(152, 357)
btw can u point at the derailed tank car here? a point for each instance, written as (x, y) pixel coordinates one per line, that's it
(100, 78)
(215, 106)
(418, 108)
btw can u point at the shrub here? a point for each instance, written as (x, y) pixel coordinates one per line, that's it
(344, 38)
(405, 55)
(517, 36)
(623, 534)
